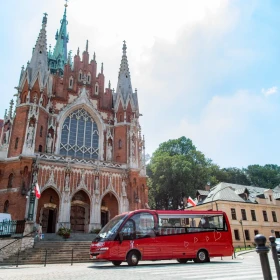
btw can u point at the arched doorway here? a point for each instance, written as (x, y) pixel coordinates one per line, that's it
(109, 208)
(80, 212)
(48, 209)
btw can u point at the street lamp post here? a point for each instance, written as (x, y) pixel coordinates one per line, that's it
(32, 189)
(243, 233)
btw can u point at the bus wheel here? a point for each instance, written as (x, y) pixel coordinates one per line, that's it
(182, 260)
(202, 256)
(116, 263)
(133, 258)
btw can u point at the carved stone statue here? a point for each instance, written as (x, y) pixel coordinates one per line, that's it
(49, 143)
(97, 185)
(109, 151)
(7, 136)
(123, 188)
(30, 136)
(67, 179)
(133, 148)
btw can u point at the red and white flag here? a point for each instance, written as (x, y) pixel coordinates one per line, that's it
(37, 191)
(191, 201)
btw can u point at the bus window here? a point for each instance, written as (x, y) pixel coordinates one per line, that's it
(145, 225)
(128, 230)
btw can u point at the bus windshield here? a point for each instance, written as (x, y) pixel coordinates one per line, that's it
(108, 232)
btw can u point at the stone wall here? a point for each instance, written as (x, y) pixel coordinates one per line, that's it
(13, 248)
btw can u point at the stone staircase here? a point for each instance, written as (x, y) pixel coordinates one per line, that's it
(53, 250)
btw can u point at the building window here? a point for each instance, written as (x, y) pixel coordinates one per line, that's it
(10, 181)
(247, 234)
(121, 119)
(120, 143)
(6, 206)
(236, 234)
(80, 136)
(233, 214)
(41, 131)
(270, 197)
(16, 143)
(253, 214)
(256, 232)
(243, 214)
(40, 148)
(71, 82)
(80, 76)
(88, 78)
(96, 88)
(274, 218)
(265, 216)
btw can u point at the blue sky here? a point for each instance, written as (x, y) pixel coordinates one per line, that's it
(207, 70)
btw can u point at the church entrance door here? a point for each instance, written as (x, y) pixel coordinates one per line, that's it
(77, 218)
(48, 220)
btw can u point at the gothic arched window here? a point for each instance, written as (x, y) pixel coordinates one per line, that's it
(71, 82)
(80, 136)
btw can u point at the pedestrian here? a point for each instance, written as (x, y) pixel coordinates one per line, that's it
(39, 232)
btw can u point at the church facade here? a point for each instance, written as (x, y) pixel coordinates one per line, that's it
(76, 141)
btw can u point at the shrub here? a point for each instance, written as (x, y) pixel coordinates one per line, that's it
(64, 231)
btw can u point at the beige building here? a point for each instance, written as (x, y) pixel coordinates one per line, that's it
(250, 210)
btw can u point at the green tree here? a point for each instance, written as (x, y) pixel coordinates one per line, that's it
(233, 175)
(176, 169)
(267, 176)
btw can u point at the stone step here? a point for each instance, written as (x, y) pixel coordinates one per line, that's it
(57, 252)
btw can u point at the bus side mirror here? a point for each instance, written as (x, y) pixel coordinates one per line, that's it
(121, 237)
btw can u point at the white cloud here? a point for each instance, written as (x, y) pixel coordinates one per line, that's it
(225, 129)
(270, 91)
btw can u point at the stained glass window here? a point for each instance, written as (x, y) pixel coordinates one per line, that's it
(80, 136)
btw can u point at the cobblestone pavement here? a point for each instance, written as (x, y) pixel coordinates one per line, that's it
(243, 267)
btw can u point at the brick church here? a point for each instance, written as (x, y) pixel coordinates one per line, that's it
(78, 141)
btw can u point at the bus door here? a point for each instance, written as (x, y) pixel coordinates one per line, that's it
(139, 233)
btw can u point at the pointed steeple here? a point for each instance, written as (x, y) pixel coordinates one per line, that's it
(124, 83)
(124, 87)
(59, 56)
(39, 59)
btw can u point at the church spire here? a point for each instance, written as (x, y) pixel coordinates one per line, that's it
(59, 56)
(124, 87)
(39, 59)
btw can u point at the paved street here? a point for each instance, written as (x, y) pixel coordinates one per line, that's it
(245, 266)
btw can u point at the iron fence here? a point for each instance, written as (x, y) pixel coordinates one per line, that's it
(8, 228)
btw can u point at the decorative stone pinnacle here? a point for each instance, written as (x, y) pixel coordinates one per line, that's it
(124, 47)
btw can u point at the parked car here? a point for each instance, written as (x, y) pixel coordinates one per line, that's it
(277, 241)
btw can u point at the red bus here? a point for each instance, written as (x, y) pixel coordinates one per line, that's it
(163, 235)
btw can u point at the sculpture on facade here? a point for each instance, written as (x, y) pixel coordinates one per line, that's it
(109, 151)
(30, 136)
(7, 136)
(49, 143)
(97, 192)
(123, 188)
(67, 179)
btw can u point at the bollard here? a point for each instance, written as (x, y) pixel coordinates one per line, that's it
(46, 257)
(18, 257)
(274, 255)
(72, 257)
(262, 250)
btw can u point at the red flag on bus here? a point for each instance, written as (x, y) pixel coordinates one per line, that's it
(191, 201)
(37, 191)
